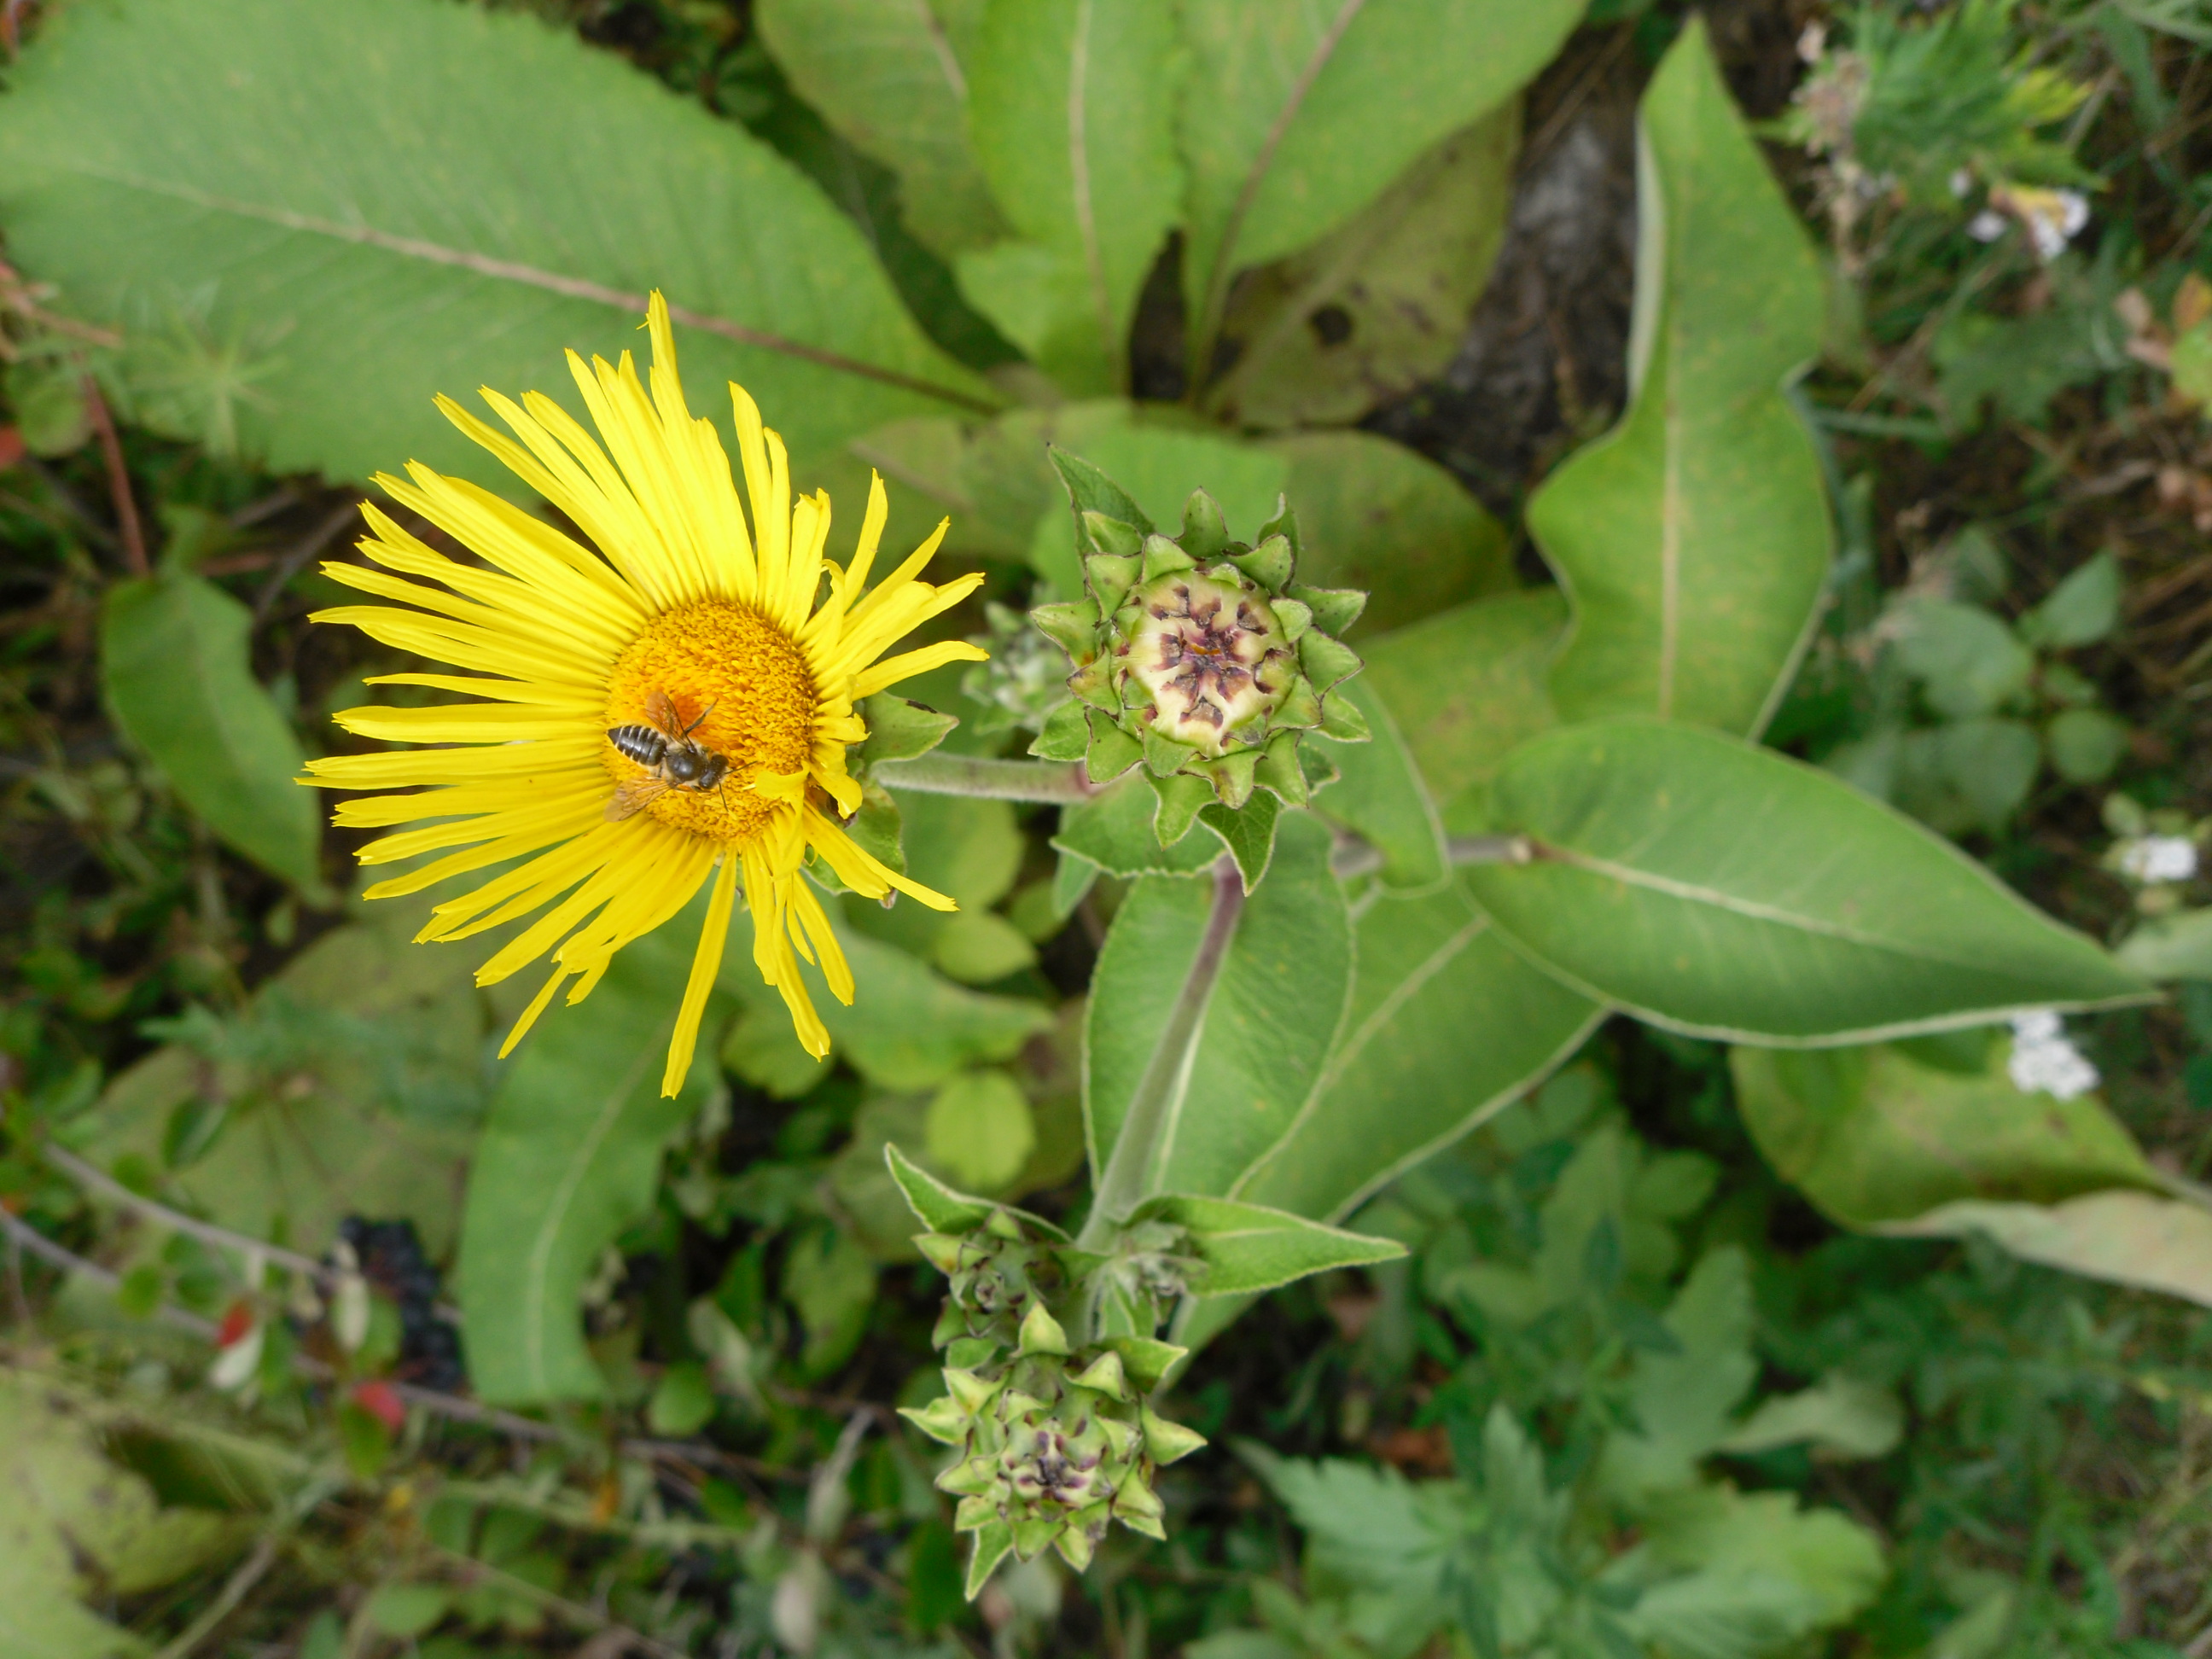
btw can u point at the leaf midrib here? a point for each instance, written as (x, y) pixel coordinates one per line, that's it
(1217, 291)
(515, 270)
(1078, 173)
(564, 1196)
(1753, 909)
(1342, 1055)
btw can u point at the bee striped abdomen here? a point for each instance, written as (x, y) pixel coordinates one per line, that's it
(642, 743)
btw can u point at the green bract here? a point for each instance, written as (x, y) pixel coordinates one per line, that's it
(1203, 659)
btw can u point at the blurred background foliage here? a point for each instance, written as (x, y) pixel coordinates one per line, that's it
(1630, 1393)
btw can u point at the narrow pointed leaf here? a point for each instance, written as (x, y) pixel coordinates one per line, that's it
(1247, 833)
(993, 1541)
(1248, 1247)
(934, 1203)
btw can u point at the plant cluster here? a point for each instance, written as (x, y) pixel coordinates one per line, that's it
(1606, 1063)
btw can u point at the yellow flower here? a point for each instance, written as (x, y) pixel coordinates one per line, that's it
(679, 602)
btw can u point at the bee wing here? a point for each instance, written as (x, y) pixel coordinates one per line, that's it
(660, 709)
(632, 794)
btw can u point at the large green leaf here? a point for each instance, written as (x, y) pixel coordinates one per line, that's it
(1380, 305)
(173, 664)
(888, 76)
(1073, 114)
(1727, 891)
(1373, 514)
(1467, 686)
(1295, 118)
(1883, 1142)
(1695, 537)
(1231, 1079)
(568, 1157)
(1447, 1025)
(311, 218)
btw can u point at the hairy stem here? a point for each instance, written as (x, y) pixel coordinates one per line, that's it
(1126, 1181)
(207, 1232)
(1056, 781)
(22, 1234)
(1355, 857)
(118, 481)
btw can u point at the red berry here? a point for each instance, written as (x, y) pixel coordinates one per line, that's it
(381, 1400)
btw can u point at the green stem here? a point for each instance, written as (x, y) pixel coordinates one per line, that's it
(1126, 1181)
(1052, 782)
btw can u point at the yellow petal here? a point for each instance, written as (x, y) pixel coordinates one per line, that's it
(890, 671)
(706, 963)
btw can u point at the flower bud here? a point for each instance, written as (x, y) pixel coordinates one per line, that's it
(1199, 657)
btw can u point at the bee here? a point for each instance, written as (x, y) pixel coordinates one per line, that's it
(664, 744)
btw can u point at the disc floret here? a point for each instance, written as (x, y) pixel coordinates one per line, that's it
(1210, 657)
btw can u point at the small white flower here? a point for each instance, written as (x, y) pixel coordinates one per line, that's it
(2044, 1061)
(2154, 859)
(238, 1363)
(2052, 217)
(349, 1299)
(349, 1313)
(2053, 222)
(1962, 183)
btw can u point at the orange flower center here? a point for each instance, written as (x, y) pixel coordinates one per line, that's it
(740, 685)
